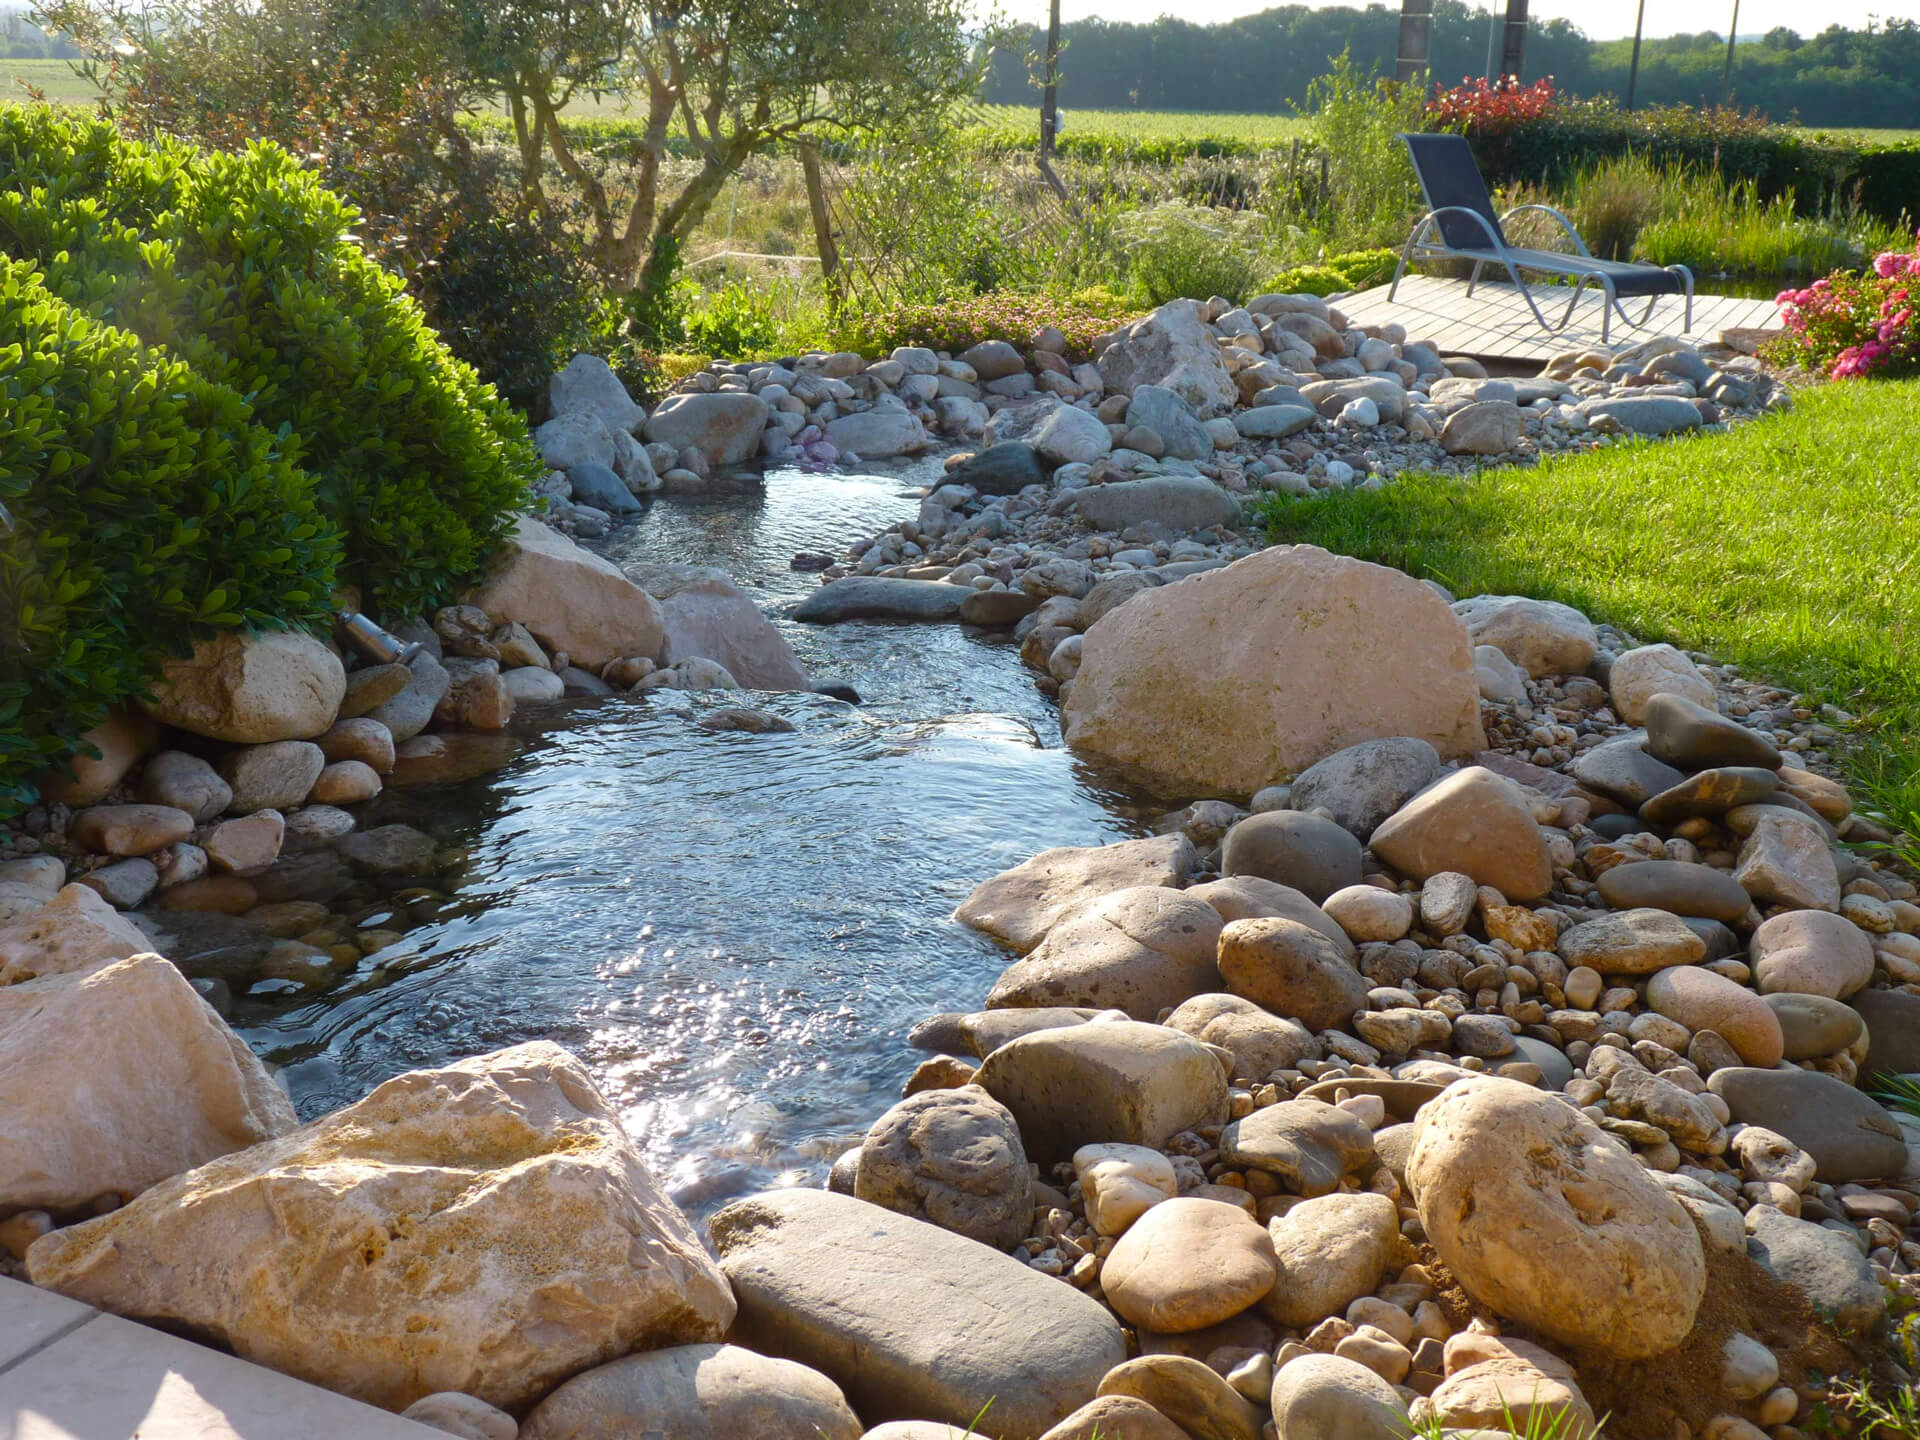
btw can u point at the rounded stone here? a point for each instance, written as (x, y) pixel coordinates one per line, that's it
(1329, 1397)
(1638, 675)
(1689, 735)
(1547, 1221)
(1812, 1026)
(1110, 1417)
(129, 830)
(185, 782)
(1811, 952)
(277, 776)
(1314, 856)
(1331, 1251)
(1632, 942)
(1848, 1134)
(362, 739)
(1291, 970)
(1702, 1000)
(1190, 1394)
(1363, 784)
(345, 782)
(693, 1392)
(1676, 886)
(952, 1157)
(1476, 823)
(1188, 1263)
(462, 1415)
(1367, 912)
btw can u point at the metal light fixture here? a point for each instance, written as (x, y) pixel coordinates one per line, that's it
(373, 642)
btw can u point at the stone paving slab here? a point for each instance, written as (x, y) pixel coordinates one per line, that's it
(68, 1372)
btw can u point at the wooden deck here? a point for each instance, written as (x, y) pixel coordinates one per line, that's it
(1495, 323)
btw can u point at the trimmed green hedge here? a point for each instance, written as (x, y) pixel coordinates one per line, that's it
(218, 410)
(245, 267)
(147, 509)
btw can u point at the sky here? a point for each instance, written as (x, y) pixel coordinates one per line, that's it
(1601, 19)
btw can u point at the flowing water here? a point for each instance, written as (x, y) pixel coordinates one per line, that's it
(735, 931)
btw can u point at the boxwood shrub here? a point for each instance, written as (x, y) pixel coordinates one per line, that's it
(144, 509)
(245, 267)
(218, 410)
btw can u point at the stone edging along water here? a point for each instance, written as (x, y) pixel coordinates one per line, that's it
(1503, 1056)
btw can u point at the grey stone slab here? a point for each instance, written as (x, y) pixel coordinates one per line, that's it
(29, 1318)
(112, 1379)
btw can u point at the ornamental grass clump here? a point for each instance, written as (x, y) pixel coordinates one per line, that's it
(1854, 325)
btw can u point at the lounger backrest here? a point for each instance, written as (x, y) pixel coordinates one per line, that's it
(1449, 176)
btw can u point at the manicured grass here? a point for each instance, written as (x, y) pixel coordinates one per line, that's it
(1789, 547)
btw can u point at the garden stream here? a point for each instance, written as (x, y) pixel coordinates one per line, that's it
(735, 931)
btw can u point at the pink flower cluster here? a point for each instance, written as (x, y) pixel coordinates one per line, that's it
(1856, 325)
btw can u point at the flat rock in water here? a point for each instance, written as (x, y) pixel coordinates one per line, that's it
(1017, 907)
(1675, 886)
(879, 597)
(1845, 1131)
(997, 609)
(1823, 1265)
(910, 1321)
(1684, 733)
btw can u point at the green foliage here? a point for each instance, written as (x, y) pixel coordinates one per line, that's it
(954, 325)
(148, 510)
(1356, 270)
(244, 267)
(1177, 250)
(740, 321)
(1357, 122)
(1805, 506)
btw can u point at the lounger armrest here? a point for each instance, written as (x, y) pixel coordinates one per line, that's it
(1566, 224)
(1493, 237)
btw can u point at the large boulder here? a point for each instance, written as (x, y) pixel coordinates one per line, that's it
(253, 688)
(952, 1157)
(724, 426)
(707, 615)
(74, 931)
(570, 598)
(114, 1079)
(912, 1322)
(1070, 436)
(486, 1227)
(588, 386)
(1141, 950)
(1476, 823)
(1018, 907)
(1546, 1220)
(1174, 349)
(1180, 502)
(1236, 677)
(695, 1392)
(1119, 1081)
(1845, 1131)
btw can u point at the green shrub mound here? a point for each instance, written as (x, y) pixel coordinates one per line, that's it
(245, 267)
(146, 509)
(218, 409)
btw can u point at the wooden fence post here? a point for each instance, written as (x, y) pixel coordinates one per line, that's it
(822, 221)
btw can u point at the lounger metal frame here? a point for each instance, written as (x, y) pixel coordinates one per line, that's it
(1420, 246)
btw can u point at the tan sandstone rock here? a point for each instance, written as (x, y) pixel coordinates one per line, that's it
(486, 1227)
(74, 931)
(1547, 1221)
(114, 1079)
(252, 689)
(1475, 823)
(570, 598)
(1188, 1263)
(1236, 677)
(1017, 907)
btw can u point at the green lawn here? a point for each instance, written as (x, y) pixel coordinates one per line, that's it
(1789, 547)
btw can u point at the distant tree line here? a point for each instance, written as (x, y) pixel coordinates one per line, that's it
(1264, 63)
(21, 39)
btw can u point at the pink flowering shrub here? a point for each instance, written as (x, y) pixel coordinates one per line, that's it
(1853, 325)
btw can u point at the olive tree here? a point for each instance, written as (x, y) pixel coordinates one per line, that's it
(714, 81)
